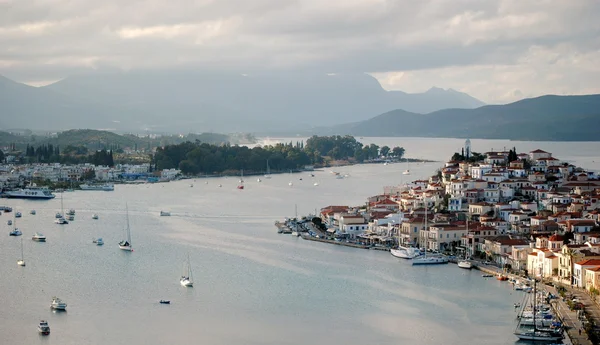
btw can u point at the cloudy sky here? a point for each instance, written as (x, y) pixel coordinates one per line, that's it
(497, 51)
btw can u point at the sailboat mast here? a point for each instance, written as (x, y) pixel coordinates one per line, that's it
(128, 230)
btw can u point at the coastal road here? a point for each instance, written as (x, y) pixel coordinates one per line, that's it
(569, 319)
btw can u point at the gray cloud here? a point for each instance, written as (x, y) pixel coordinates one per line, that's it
(491, 49)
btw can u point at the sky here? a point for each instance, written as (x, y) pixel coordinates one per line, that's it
(497, 51)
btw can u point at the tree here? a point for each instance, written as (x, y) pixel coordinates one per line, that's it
(398, 152)
(384, 151)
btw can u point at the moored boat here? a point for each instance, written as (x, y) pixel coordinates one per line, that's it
(30, 193)
(38, 237)
(126, 244)
(466, 264)
(107, 187)
(58, 304)
(43, 327)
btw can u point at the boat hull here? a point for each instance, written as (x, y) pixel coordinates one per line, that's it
(429, 261)
(465, 264)
(403, 254)
(538, 336)
(126, 248)
(20, 262)
(39, 239)
(186, 283)
(18, 196)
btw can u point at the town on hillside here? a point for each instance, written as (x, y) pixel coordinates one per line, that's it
(527, 213)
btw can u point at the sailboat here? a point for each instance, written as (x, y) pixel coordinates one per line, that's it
(126, 244)
(407, 171)
(429, 260)
(241, 185)
(16, 231)
(268, 174)
(22, 261)
(465, 263)
(187, 279)
(536, 334)
(60, 218)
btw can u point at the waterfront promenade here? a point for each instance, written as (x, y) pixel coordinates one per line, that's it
(572, 323)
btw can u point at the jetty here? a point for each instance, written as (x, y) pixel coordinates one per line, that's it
(339, 243)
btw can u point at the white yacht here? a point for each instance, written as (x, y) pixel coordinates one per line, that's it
(98, 241)
(58, 304)
(405, 252)
(38, 237)
(30, 193)
(107, 187)
(126, 244)
(466, 264)
(43, 327)
(186, 279)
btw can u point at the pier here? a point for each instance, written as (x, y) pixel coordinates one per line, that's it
(339, 243)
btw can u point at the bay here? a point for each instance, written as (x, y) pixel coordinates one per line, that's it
(252, 285)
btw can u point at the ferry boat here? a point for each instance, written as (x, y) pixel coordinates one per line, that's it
(58, 304)
(30, 193)
(108, 187)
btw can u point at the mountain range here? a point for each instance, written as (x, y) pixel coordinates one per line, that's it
(285, 104)
(549, 118)
(178, 101)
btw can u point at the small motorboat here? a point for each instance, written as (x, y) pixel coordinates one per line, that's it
(18, 214)
(32, 212)
(43, 327)
(15, 232)
(220, 185)
(58, 304)
(165, 301)
(58, 215)
(240, 186)
(258, 180)
(94, 216)
(9, 222)
(98, 241)
(71, 212)
(487, 275)
(71, 217)
(165, 213)
(38, 237)
(61, 221)
(191, 185)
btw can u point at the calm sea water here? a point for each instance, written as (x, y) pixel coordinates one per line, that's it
(252, 285)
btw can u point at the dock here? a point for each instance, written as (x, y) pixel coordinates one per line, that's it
(339, 243)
